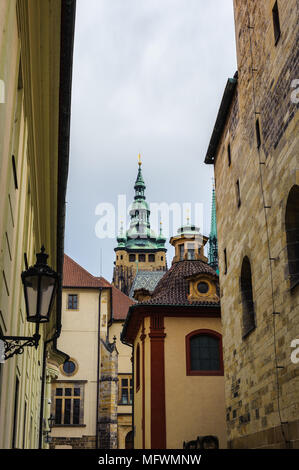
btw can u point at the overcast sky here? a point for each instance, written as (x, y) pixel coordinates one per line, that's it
(148, 77)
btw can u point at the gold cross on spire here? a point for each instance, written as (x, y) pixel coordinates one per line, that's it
(139, 159)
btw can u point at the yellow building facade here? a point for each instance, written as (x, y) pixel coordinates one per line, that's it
(178, 385)
(36, 43)
(254, 148)
(91, 395)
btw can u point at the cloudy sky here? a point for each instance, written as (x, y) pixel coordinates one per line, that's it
(148, 77)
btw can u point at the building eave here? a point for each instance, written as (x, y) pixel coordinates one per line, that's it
(141, 310)
(68, 14)
(221, 119)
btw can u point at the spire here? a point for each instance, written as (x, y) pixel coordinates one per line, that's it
(213, 242)
(161, 239)
(121, 239)
(139, 183)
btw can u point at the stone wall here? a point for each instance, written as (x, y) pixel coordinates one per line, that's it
(262, 384)
(84, 442)
(107, 423)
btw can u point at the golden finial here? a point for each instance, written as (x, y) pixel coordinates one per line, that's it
(139, 159)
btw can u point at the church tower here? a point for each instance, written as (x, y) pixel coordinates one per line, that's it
(139, 248)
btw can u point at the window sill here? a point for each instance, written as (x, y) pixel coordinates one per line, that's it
(69, 426)
(211, 373)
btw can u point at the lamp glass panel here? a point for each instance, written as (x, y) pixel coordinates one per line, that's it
(31, 285)
(47, 287)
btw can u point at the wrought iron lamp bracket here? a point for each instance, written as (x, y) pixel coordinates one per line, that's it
(16, 344)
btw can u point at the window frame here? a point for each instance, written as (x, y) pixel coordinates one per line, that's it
(203, 332)
(249, 323)
(130, 389)
(67, 301)
(69, 384)
(70, 374)
(291, 231)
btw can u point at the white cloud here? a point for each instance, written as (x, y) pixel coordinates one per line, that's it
(148, 77)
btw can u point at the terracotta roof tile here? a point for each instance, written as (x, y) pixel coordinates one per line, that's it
(121, 303)
(76, 276)
(173, 288)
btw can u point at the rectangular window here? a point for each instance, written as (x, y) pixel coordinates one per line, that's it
(151, 258)
(125, 390)
(276, 22)
(182, 250)
(132, 258)
(68, 404)
(258, 133)
(72, 302)
(191, 251)
(238, 193)
(142, 258)
(229, 155)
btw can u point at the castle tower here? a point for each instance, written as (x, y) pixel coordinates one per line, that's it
(139, 248)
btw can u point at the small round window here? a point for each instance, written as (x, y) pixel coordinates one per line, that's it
(69, 367)
(202, 287)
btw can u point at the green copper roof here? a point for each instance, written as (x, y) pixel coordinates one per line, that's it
(139, 236)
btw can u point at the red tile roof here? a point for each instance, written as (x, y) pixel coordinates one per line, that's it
(173, 288)
(121, 303)
(76, 276)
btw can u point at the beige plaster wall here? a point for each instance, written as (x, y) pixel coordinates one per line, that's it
(195, 405)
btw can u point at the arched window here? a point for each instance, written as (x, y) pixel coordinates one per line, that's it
(247, 298)
(204, 353)
(137, 367)
(292, 232)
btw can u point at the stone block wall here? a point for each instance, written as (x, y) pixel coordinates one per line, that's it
(107, 423)
(262, 384)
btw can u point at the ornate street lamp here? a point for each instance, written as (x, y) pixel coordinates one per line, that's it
(40, 285)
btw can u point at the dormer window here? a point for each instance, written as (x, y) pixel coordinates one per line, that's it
(203, 288)
(190, 251)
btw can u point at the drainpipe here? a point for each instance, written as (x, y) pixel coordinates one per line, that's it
(98, 371)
